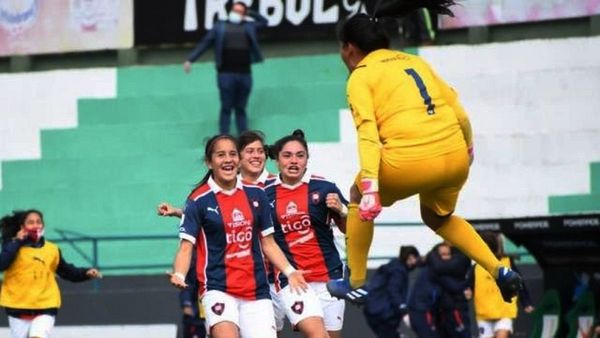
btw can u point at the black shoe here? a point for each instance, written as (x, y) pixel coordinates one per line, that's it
(341, 289)
(509, 283)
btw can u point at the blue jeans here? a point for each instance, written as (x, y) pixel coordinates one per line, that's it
(234, 90)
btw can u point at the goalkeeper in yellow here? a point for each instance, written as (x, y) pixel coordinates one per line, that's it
(414, 137)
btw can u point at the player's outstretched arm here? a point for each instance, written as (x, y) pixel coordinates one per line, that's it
(183, 257)
(167, 210)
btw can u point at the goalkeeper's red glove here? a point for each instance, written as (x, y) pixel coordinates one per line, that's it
(370, 204)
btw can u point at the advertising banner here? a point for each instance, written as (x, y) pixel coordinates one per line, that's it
(160, 22)
(57, 26)
(492, 12)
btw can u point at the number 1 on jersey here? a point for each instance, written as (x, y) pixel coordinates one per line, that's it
(422, 90)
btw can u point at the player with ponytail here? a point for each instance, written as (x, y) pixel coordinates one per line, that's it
(414, 137)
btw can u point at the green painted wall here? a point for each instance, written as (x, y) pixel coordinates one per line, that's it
(145, 146)
(579, 202)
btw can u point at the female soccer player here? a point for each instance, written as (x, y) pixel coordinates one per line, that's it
(30, 293)
(414, 137)
(229, 223)
(304, 207)
(253, 157)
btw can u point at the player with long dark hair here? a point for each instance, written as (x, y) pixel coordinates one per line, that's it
(414, 137)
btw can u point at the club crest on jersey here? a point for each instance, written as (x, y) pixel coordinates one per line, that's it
(218, 308)
(298, 307)
(291, 209)
(238, 219)
(316, 197)
(255, 204)
(237, 216)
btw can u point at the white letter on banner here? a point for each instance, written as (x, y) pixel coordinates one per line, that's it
(352, 8)
(277, 13)
(190, 16)
(324, 16)
(296, 17)
(214, 7)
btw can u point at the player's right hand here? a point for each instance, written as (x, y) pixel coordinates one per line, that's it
(296, 281)
(370, 203)
(177, 280)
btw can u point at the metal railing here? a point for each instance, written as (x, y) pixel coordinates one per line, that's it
(73, 239)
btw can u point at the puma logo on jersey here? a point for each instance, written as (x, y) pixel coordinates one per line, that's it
(215, 210)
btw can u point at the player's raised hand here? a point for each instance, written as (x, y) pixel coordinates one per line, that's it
(165, 209)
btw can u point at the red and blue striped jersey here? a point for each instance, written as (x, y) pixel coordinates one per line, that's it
(226, 227)
(303, 226)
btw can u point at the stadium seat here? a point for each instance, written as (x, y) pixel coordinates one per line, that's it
(546, 316)
(581, 316)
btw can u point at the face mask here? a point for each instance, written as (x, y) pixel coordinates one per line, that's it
(35, 234)
(235, 17)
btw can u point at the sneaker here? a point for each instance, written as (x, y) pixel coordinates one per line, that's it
(341, 289)
(509, 283)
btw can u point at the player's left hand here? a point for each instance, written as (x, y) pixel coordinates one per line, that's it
(333, 202)
(529, 309)
(370, 203)
(93, 273)
(471, 153)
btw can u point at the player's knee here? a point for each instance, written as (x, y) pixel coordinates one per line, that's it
(431, 219)
(355, 195)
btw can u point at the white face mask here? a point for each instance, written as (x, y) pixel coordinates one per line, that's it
(235, 17)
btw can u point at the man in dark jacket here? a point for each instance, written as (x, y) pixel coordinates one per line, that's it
(386, 303)
(423, 304)
(236, 48)
(450, 267)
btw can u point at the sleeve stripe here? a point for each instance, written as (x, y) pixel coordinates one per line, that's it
(184, 236)
(267, 231)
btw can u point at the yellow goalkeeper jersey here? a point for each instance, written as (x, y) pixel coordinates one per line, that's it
(30, 282)
(403, 111)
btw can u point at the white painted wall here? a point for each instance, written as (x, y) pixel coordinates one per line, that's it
(129, 331)
(44, 100)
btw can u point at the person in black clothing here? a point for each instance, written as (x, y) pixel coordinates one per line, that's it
(450, 268)
(423, 304)
(236, 48)
(193, 318)
(386, 303)
(30, 293)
